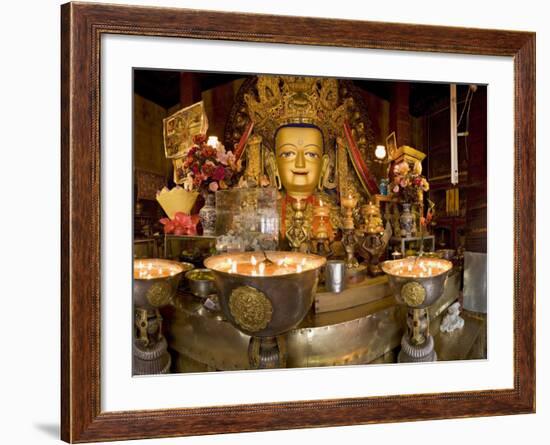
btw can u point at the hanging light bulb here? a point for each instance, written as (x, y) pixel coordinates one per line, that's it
(380, 152)
(212, 141)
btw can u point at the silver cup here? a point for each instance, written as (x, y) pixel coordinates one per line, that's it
(335, 271)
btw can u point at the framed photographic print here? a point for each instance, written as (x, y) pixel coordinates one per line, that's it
(285, 229)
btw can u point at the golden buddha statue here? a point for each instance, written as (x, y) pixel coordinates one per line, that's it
(299, 156)
(301, 168)
(300, 121)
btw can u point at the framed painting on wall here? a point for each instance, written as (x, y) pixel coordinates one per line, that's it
(104, 46)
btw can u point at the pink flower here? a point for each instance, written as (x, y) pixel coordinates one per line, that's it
(213, 186)
(401, 169)
(226, 157)
(169, 226)
(222, 158)
(396, 189)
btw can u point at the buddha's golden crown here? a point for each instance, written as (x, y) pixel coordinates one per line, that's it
(283, 100)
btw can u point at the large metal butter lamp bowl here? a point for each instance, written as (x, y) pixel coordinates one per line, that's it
(266, 295)
(417, 282)
(155, 284)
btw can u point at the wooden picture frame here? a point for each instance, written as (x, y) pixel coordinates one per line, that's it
(391, 145)
(82, 27)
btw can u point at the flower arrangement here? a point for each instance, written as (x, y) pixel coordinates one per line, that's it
(407, 184)
(208, 168)
(181, 224)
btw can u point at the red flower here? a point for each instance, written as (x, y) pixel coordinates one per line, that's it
(199, 139)
(208, 152)
(206, 164)
(208, 169)
(219, 173)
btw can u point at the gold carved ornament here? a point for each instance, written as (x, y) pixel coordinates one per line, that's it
(159, 294)
(283, 100)
(148, 328)
(273, 101)
(254, 159)
(413, 293)
(250, 308)
(141, 323)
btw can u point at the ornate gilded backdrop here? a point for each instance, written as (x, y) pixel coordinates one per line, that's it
(279, 100)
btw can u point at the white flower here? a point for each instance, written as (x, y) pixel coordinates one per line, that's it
(188, 182)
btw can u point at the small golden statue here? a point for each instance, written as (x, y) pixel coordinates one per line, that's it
(297, 234)
(373, 238)
(372, 219)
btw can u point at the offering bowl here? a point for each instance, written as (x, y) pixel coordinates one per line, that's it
(268, 303)
(417, 282)
(266, 295)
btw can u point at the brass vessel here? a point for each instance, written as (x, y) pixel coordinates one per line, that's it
(152, 293)
(430, 285)
(417, 282)
(266, 306)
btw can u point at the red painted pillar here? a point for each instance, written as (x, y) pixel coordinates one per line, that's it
(190, 89)
(400, 121)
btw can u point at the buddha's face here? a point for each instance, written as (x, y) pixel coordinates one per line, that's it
(299, 153)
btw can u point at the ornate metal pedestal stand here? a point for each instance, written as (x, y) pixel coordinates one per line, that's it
(349, 240)
(417, 345)
(417, 282)
(150, 350)
(267, 352)
(155, 283)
